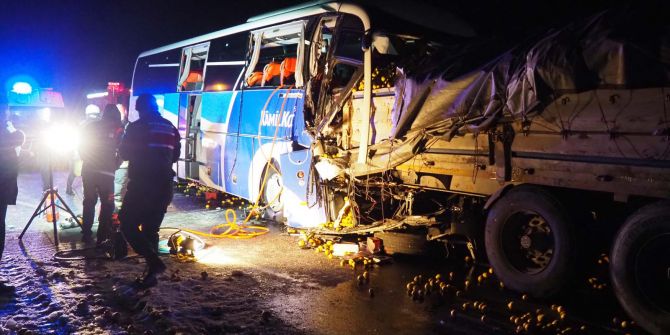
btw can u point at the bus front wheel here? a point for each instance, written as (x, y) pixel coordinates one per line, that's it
(272, 194)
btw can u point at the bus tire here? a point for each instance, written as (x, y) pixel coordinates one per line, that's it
(271, 198)
(530, 242)
(640, 267)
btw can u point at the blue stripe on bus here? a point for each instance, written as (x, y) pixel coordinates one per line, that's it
(231, 163)
(287, 122)
(215, 106)
(171, 103)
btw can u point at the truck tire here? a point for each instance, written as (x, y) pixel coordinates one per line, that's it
(530, 242)
(640, 267)
(272, 195)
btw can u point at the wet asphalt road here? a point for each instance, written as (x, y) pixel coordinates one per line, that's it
(309, 293)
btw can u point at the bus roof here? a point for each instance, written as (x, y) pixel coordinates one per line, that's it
(288, 14)
(448, 24)
(287, 10)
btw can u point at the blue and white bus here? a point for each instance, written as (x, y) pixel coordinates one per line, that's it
(238, 98)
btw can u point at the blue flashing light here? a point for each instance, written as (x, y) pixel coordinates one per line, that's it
(22, 88)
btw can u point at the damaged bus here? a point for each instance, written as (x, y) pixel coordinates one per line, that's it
(356, 121)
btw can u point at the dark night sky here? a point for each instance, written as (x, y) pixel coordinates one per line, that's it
(77, 46)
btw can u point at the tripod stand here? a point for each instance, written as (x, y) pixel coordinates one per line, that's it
(52, 194)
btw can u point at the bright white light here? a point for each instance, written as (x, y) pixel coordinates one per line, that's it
(62, 138)
(97, 95)
(45, 114)
(92, 109)
(22, 88)
(160, 101)
(214, 256)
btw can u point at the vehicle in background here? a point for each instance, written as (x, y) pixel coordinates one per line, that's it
(116, 93)
(32, 109)
(38, 112)
(356, 121)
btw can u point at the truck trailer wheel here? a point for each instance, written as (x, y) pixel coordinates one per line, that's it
(640, 267)
(530, 242)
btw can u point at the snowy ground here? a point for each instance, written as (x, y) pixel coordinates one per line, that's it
(266, 285)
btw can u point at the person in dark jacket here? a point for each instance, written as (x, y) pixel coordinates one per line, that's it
(99, 155)
(151, 146)
(10, 139)
(75, 162)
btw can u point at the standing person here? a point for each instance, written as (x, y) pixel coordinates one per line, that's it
(10, 139)
(150, 145)
(75, 163)
(100, 160)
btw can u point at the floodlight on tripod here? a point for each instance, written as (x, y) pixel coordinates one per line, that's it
(59, 140)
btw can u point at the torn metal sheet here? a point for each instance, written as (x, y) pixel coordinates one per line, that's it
(442, 96)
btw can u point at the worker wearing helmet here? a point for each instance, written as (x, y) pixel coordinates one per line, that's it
(100, 161)
(151, 146)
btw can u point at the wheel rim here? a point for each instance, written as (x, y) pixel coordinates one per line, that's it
(652, 271)
(528, 242)
(273, 190)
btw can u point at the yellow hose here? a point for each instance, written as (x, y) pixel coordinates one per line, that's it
(232, 228)
(244, 230)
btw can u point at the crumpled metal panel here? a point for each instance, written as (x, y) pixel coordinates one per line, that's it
(626, 48)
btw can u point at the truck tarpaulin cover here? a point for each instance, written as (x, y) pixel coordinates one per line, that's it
(619, 48)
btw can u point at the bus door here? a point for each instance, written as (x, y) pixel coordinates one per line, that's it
(192, 141)
(191, 82)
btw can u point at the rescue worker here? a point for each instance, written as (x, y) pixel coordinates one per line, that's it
(75, 164)
(150, 145)
(100, 161)
(10, 139)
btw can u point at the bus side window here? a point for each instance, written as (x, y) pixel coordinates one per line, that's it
(225, 61)
(276, 58)
(156, 74)
(192, 68)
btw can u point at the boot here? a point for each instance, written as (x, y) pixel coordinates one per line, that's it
(155, 267)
